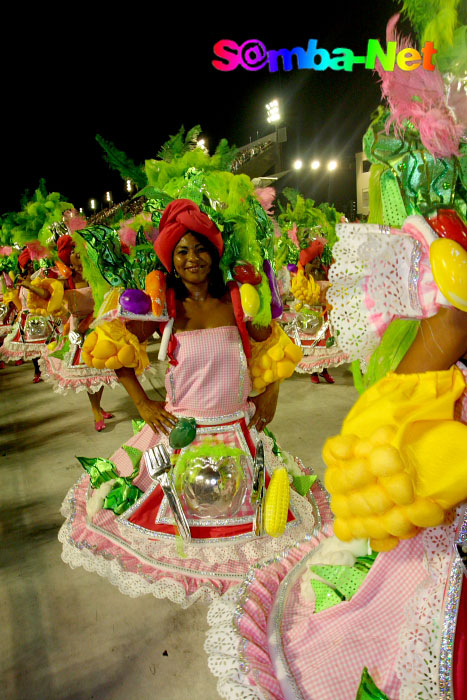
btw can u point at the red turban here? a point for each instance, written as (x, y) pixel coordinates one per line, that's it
(314, 250)
(23, 258)
(179, 217)
(65, 245)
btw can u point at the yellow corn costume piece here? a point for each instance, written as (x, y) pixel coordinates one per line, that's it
(46, 307)
(400, 461)
(273, 359)
(305, 289)
(12, 295)
(112, 346)
(276, 506)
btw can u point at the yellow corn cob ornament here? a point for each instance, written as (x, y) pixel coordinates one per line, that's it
(277, 501)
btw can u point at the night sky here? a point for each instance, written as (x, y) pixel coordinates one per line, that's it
(135, 77)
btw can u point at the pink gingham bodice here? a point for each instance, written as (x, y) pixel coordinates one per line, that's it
(80, 303)
(211, 378)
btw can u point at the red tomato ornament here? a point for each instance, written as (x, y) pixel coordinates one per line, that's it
(448, 224)
(247, 274)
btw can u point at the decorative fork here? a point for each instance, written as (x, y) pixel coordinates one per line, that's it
(258, 491)
(159, 465)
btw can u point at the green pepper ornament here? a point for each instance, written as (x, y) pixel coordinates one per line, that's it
(183, 434)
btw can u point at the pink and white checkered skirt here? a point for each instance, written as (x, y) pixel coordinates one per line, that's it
(138, 551)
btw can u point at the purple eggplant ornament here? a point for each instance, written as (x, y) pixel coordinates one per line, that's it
(135, 301)
(292, 268)
(276, 301)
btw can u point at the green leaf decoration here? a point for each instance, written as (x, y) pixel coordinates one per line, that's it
(368, 690)
(118, 160)
(135, 456)
(137, 425)
(99, 469)
(114, 266)
(122, 496)
(302, 484)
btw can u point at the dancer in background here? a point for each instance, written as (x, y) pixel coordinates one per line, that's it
(62, 364)
(32, 331)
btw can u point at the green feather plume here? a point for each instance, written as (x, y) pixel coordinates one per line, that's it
(35, 218)
(91, 272)
(118, 160)
(440, 29)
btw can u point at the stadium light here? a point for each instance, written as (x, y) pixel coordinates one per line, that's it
(272, 110)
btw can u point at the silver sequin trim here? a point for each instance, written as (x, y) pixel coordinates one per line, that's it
(385, 229)
(446, 690)
(243, 370)
(414, 274)
(172, 385)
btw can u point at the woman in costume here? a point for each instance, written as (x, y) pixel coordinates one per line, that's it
(9, 301)
(396, 473)
(63, 365)
(208, 384)
(320, 348)
(309, 233)
(33, 330)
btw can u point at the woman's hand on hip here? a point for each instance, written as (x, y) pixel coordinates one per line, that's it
(155, 415)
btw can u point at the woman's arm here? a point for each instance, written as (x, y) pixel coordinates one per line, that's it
(441, 341)
(266, 404)
(152, 412)
(43, 293)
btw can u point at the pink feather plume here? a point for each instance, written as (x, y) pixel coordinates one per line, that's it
(74, 220)
(418, 96)
(266, 196)
(6, 250)
(37, 250)
(293, 234)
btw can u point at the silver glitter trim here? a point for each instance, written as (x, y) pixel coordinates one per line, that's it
(219, 420)
(172, 385)
(446, 689)
(385, 229)
(243, 370)
(414, 274)
(321, 334)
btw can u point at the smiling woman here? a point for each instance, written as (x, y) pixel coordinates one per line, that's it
(208, 401)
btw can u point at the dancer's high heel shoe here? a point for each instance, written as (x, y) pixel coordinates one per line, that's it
(100, 425)
(107, 415)
(327, 377)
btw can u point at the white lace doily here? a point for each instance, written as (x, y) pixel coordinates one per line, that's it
(373, 270)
